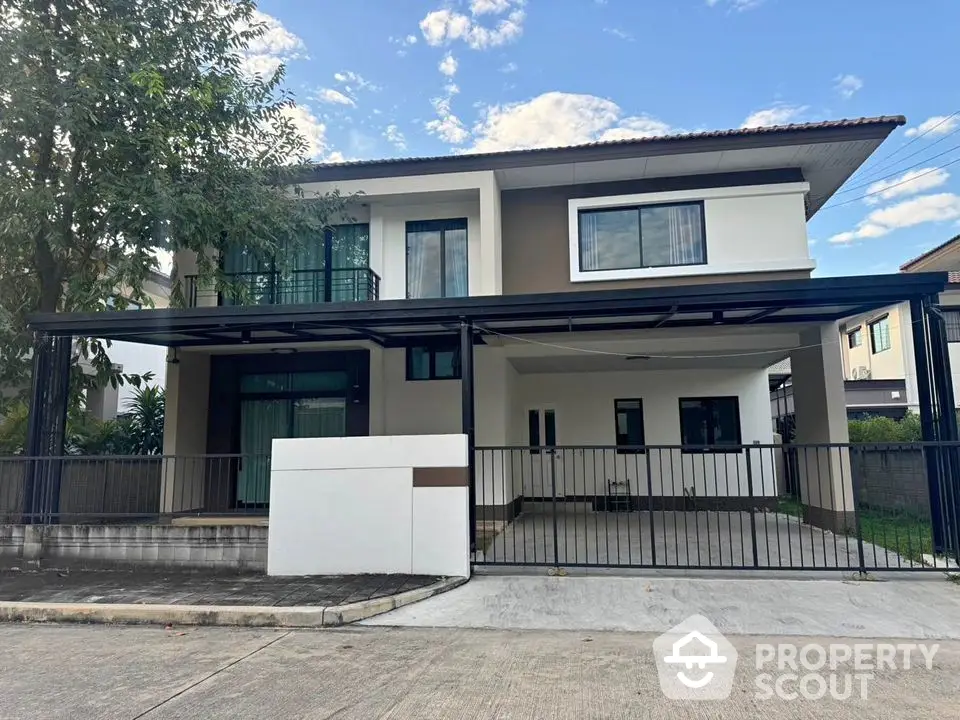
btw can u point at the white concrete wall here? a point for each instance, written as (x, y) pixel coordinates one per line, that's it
(584, 405)
(388, 231)
(350, 505)
(759, 228)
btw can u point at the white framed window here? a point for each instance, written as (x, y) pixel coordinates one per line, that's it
(643, 236)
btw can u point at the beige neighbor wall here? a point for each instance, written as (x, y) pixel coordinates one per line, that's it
(885, 365)
(185, 432)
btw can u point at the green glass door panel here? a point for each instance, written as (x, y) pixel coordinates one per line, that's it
(319, 417)
(260, 422)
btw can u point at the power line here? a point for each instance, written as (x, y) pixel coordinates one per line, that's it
(917, 137)
(888, 187)
(897, 172)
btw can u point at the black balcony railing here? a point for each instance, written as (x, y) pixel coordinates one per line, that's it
(296, 287)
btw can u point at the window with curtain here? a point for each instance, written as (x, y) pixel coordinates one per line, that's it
(437, 259)
(301, 272)
(645, 236)
(710, 421)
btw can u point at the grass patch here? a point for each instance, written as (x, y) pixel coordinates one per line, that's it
(789, 505)
(908, 535)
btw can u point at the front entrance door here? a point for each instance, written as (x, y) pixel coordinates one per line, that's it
(262, 420)
(543, 478)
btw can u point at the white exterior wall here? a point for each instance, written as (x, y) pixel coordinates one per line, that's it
(352, 505)
(584, 405)
(759, 228)
(388, 232)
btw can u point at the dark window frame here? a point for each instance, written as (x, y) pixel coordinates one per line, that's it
(873, 339)
(432, 348)
(951, 323)
(441, 226)
(624, 446)
(638, 207)
(736, 448)
(855, 337)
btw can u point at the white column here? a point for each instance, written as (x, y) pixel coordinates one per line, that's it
(490, 256)
(826, 488)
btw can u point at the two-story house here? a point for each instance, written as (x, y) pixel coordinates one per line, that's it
(597, 319)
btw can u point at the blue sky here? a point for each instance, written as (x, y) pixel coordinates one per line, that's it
(391, 78)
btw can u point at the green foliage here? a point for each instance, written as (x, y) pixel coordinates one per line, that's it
(130, 128)
(145, 418)
(138, 432)
(878, 429)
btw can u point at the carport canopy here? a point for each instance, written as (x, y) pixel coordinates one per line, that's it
(393, 323)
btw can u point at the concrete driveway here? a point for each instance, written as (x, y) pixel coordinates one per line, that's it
(925, 606)
(702, 539)
(362, 673)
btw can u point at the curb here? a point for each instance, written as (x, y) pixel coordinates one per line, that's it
(218, 615)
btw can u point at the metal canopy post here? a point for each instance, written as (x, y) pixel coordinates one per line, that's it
(947, 425)
(928, 421)
(46, 427)
(467, 420)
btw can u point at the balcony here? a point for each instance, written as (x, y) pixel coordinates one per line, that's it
(296, 287)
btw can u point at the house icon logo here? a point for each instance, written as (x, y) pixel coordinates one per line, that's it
(694, 661)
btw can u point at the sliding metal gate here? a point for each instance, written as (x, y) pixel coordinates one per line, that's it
(823, 507)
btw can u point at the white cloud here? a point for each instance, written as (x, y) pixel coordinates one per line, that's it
(442, 27)
(557, 119)
(910, 183)
(618, 33)
(641, 126)
(737, 5)
(778, 114)
(510, 67)
(395, 137)
(448, 66)
(314, 131)
(847, 85)
(937, 125)
(916, 211)
(351, 80)
(403, 42)
(275, 46)
(447, 126)
(451, 88)
(481, 7)
(334, 97)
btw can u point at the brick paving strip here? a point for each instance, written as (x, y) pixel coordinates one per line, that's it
(207, 598)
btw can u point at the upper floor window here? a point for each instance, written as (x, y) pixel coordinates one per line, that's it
(437, 259)
(951, 319)
(855, 338)
(645, 236)
(880, 335)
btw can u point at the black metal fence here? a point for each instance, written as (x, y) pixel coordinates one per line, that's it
(827, 507)
(286, 288)
(138, 488)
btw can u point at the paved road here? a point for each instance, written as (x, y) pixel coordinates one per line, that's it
(80, 672)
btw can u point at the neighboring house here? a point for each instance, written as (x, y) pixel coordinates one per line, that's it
(879, 368)
(104, 403)
(619, 295)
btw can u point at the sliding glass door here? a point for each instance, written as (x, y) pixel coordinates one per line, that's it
(284, 405)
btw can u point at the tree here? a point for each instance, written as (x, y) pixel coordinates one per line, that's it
(145, 416)
(131, 128)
